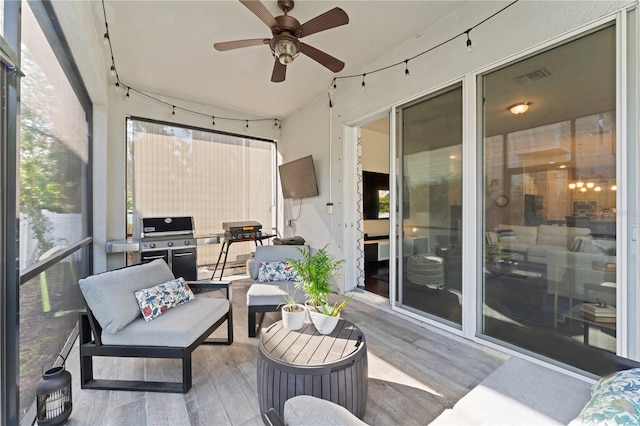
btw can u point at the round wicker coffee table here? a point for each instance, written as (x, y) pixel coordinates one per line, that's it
(305, 362)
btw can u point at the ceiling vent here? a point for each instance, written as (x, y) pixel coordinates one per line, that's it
(533, 76)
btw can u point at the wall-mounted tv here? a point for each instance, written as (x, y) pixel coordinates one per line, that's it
(375, 195)
(298, 178)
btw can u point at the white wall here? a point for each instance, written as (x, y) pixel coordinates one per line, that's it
(305, 132)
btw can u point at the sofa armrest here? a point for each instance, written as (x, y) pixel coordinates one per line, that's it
(208, 285)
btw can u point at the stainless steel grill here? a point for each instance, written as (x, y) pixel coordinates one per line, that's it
(171, 239)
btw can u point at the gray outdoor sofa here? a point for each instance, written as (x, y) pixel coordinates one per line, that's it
(267, 296)
(113, 326)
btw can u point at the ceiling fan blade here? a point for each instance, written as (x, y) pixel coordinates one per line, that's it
(330, 19)
(279, 72)
(237, 44)
(334, 64)
(261, 12)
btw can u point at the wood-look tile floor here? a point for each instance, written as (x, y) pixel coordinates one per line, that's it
(415, 372)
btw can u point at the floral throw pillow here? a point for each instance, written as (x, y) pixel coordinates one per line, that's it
(615, 400)
(154, 301)
(276, 271)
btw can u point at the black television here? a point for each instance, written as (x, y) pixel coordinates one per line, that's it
(375, 195)
(298, 178)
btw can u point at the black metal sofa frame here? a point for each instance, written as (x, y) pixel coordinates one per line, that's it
(254, 324)
(91, 345)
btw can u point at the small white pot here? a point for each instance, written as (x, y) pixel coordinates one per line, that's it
(325, 324)
(293, 320)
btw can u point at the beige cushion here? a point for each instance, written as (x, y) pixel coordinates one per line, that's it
(525, 234)
(110, 295)
(562, 236)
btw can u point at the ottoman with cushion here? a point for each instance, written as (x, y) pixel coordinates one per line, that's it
(426, 270)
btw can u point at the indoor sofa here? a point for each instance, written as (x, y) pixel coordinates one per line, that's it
(534, 242)
(272, 281)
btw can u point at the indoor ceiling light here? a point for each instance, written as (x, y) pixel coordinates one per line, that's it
(597, 189)
(590, 185)
(519, 108)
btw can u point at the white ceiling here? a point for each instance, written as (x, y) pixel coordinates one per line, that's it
(166, 47)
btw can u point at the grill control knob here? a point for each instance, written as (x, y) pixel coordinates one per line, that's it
(187, 242)
(170, 243)
(152, 245)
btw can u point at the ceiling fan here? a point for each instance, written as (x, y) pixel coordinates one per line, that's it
(287, 32)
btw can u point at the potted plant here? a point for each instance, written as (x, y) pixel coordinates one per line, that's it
(314, 273)
(325, 317)
(293, 313)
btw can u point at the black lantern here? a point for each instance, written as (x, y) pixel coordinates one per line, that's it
(53, 396)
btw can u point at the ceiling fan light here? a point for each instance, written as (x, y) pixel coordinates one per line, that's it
(285, 58)
(519, 108)
(286, 50)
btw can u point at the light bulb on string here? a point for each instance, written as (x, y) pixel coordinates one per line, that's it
(113, 69)
(213, 121)
(469, 45)
(247, 126)
(406, 68)
(363, 83)
(173, 110)
(105, 39)
(275, 122)
(335, 86)
(117, 86)
(127, 95)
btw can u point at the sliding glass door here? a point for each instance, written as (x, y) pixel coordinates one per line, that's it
(429, 203)
(550, 212)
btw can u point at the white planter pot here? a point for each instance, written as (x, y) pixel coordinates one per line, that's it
(294, 320)
(323, 323)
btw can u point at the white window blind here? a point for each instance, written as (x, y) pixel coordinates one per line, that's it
(214, 177)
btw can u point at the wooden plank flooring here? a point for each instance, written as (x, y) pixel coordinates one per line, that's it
(415, 372)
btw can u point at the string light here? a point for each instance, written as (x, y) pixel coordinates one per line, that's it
(406, 68)
(119, 84)
(275, 122)
(449, 40)
(335, 86)
(363, 83)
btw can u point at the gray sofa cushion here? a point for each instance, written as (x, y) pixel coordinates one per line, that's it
(308, 410)
(272, 293)
(178, 327)
(110, 295)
